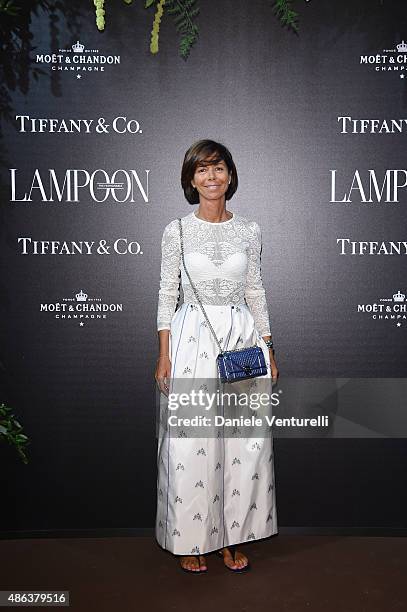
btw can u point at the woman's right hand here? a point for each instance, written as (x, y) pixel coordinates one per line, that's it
(163, 373)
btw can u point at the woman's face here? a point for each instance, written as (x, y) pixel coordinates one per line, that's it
(211, 181)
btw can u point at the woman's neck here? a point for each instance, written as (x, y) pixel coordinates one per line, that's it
(215, 212)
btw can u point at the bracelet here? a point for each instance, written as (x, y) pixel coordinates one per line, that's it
(269, 344)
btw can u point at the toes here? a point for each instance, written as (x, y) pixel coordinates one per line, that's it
(241, 560)
(195, 564)
(202, 562)
(190, 563)
(228, 560)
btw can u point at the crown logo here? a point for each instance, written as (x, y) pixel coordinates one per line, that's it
(398, 297)
(402, 47)
(81, 296)
(78, 47)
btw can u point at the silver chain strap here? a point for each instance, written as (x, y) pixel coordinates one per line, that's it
(194, 290)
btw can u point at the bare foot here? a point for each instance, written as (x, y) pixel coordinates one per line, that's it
(240, 559)
(194, 564)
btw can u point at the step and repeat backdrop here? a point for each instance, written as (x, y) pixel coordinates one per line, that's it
(96, 119)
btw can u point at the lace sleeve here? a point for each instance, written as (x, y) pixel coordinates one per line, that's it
(255, 293)
(168, 293)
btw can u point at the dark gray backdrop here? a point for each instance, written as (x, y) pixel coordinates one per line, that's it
(86, 394)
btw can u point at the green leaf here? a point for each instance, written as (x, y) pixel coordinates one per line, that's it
(182, 25)
(9, 8)
(184, 11)
(21, 437)
(287, 16)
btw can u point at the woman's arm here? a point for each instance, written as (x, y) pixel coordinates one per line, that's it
(255, 293)
(168, 295)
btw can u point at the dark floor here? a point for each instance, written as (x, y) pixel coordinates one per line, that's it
(289, 573)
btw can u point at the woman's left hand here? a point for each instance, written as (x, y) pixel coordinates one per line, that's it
(273, 366)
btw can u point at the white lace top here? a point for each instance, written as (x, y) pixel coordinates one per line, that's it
(223, 260)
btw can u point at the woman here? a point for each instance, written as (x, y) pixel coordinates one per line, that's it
(212, 493)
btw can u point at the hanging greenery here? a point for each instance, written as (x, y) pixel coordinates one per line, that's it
(156, 25)
(100, 13)
(184, 12)
(284, 12)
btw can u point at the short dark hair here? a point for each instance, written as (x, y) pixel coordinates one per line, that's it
(198, 154)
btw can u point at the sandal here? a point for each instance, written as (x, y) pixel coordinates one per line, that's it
(196, 571)
(239, 570)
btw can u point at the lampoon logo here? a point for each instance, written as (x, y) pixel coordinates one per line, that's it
(394, 60)
(393, 308)
(77, 60)
(81, 308)
(122, 186)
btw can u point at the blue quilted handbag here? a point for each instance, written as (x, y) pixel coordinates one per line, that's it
(237, 364)
(240, 364)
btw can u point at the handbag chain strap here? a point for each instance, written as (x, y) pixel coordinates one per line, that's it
(194, 289)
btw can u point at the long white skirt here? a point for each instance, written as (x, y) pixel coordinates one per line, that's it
(212, 491)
